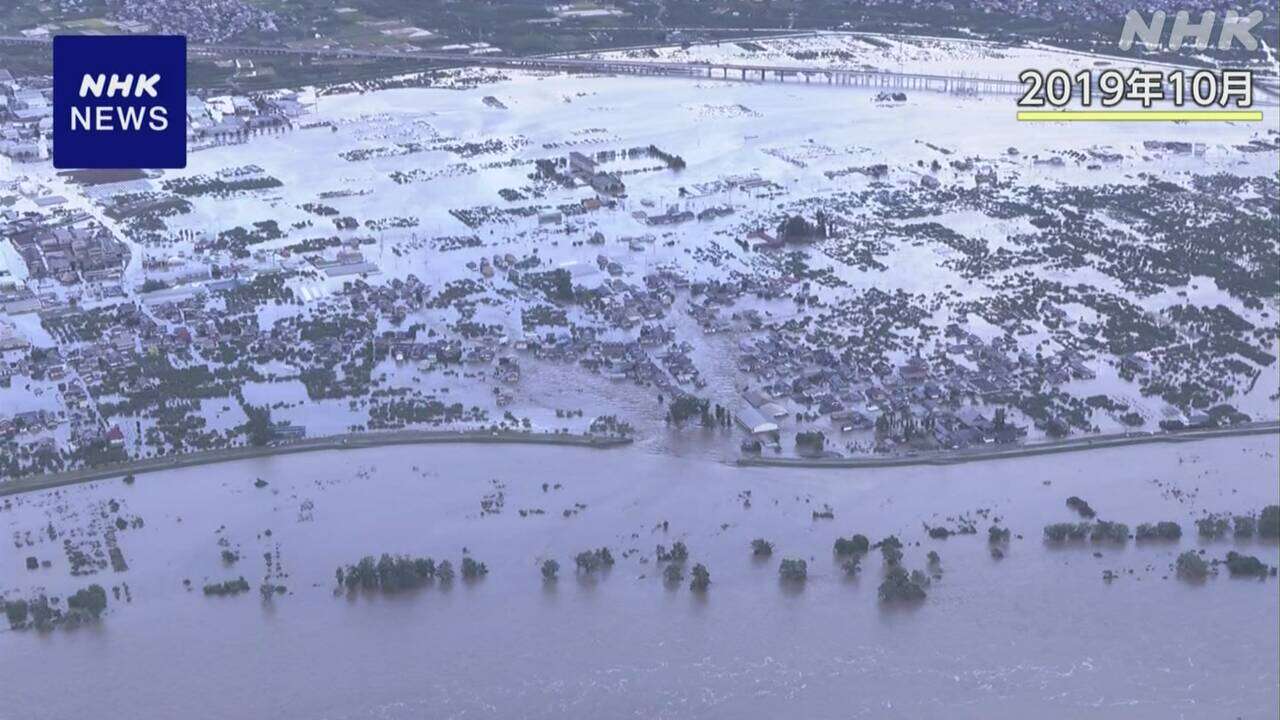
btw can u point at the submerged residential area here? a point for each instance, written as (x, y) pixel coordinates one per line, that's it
(811, 263)
(639, 358)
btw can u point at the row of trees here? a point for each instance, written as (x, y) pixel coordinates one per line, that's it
(1265, 525)
(401, 572)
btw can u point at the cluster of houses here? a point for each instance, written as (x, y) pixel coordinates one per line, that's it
(204, 21)
(81, 250)
(53, 373)
(950, 403)
(26, 119)
(227, 119)
(18, 299)
(586, 171)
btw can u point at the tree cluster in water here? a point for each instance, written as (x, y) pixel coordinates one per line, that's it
(1269, 522)
(472, 569)
(673, 574)
(590, 561)
(228, 587)
(1080, 506)
(1164, 530)
(42, 614)
(890, 550)
(1265, 525)
(793, 570)
(401, 572)
(796, 229)
(677, 554)
(1108, 531)
(684, 407)
(851, 550)
(701, 578)
(1213, 527)
(899, 586)
(1246, 565)
(1191, 566)
(1060, 532)
(853, 545)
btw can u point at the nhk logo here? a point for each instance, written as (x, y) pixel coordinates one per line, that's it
(109, 117)
(1233, 28)
(119, 101)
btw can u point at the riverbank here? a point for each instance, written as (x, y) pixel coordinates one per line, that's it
(357, 441)
(352, 441)
(955, 457)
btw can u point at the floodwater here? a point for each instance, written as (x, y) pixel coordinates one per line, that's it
(1036, 634)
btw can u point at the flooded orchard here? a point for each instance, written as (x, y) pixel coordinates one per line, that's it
(1034, 630)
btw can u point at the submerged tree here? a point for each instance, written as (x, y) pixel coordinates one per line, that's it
(687, 406)
(592, 560)
(16, 611)
(853, 545)
(761, 547)
(1061, 532)
(701, 578)
(1246, 565)
(90, 601)
(227, 587)
(258, 425)
(389, 573)
(1212, 528)
(795, 228)
(899, 586)
(673, 573)
(1191, 566)
(794, 570)
(678, 553)
(1163, 530)
(1269, 522)
(1081, 507)
(853, 565)
(1245, 525)
(1108, 531)
(890, 550)
(550, 569)
(472, 570)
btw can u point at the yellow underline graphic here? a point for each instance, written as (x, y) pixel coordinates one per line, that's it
(1140, 115)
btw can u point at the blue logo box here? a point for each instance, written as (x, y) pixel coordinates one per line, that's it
(119, 101)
